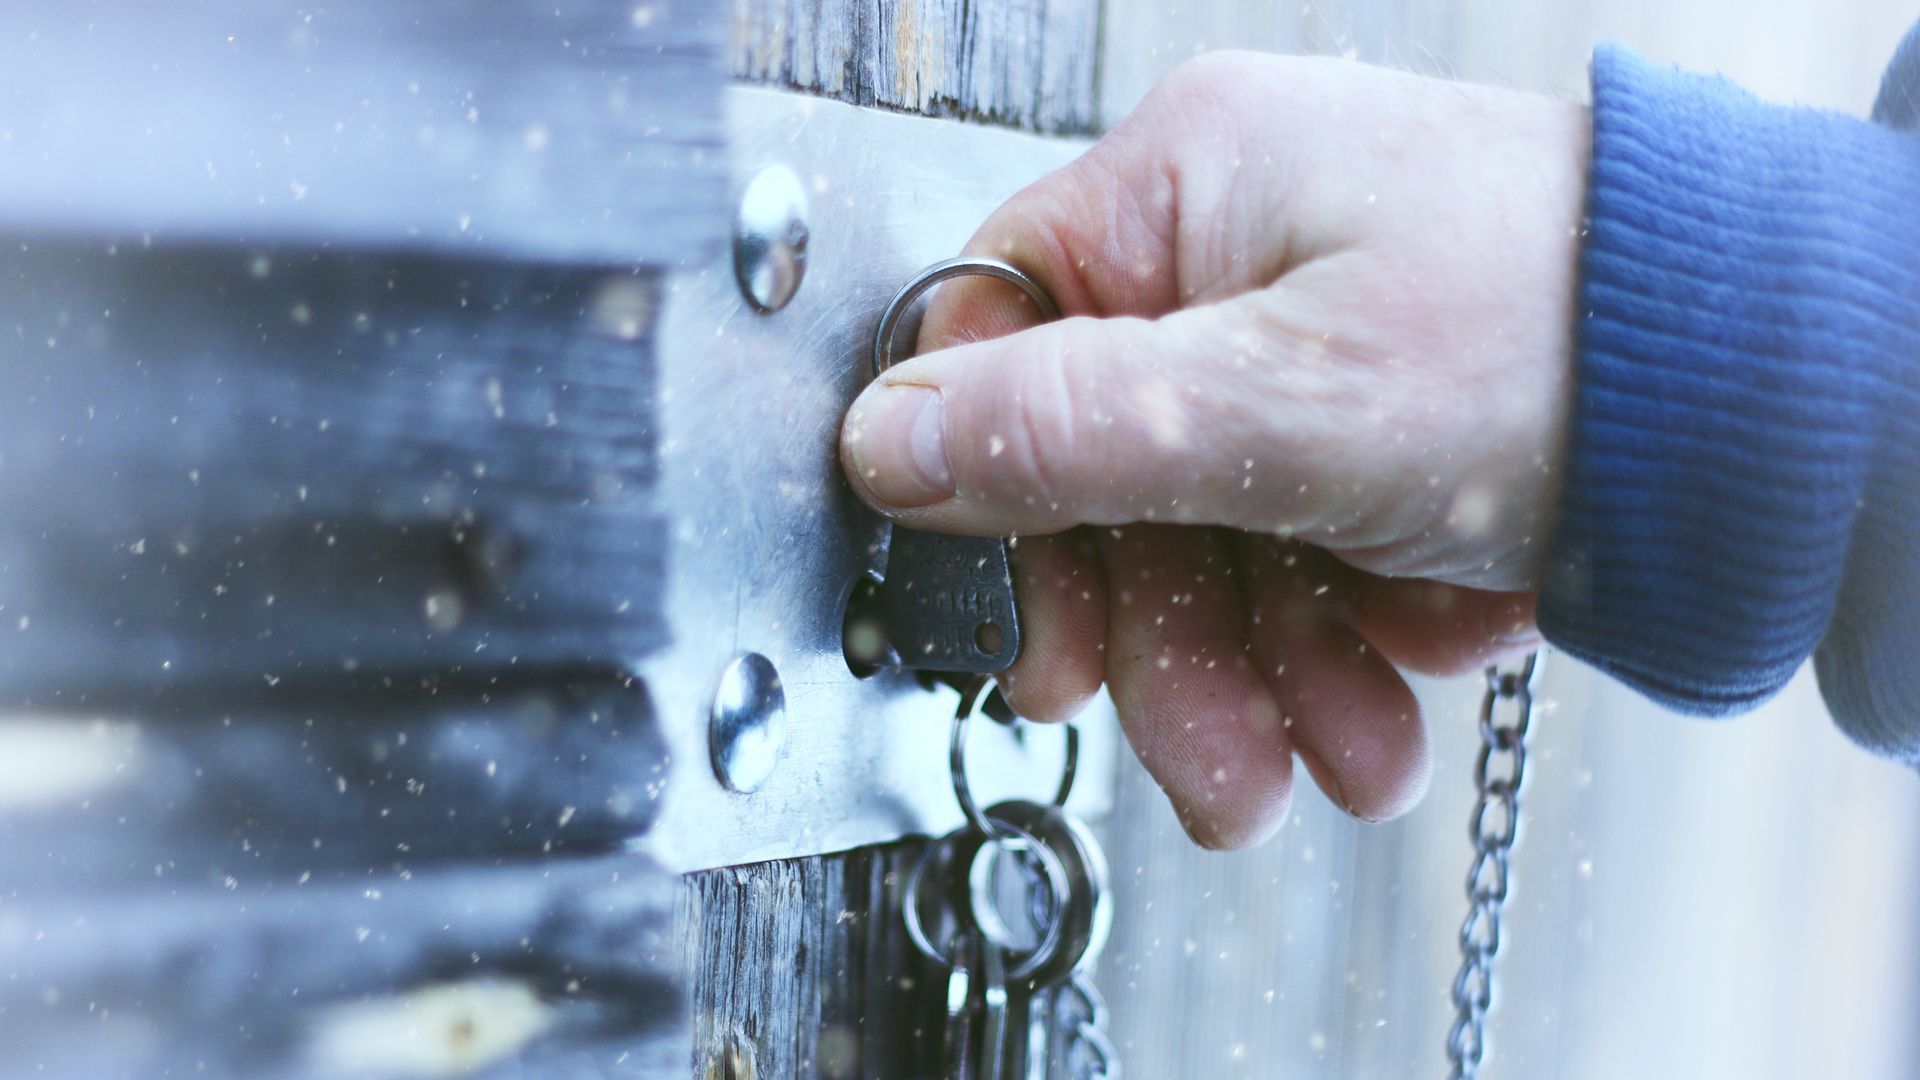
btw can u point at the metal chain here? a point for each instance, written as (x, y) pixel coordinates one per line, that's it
(1090, 1054)
(1498, 775)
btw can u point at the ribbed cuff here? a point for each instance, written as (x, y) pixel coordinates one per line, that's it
(1746, 382)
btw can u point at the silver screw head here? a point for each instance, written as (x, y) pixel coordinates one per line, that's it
(770, 238)
(747, 728)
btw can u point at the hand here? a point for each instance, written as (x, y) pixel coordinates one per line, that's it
(1302, 422)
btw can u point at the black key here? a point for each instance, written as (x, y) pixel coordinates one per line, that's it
(947, 603)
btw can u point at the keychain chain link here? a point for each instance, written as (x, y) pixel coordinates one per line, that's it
(1498, 776)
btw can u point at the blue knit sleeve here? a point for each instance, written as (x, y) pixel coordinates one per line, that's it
(1743, 471)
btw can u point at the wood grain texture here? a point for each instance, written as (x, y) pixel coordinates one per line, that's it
(1031, 64)
(585, 131)
(800, 968)
(263, 469)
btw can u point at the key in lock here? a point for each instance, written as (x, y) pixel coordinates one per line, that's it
(946, 603)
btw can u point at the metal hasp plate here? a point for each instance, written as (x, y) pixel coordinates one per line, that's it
(768, 541)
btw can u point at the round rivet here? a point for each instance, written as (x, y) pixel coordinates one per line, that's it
(770, 238)
(748, 725)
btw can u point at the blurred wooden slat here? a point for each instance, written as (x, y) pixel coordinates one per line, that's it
(439, 467)
(559, 969)
(355, 778)
(580, 131)
(327, 436)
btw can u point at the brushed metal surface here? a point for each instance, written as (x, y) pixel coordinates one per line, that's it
(767, 538)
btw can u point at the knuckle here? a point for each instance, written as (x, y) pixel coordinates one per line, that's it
(1220, 72)
(1227, 90)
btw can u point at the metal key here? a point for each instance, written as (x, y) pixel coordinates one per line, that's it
(1021, 1005)
(978, 1041)
(1030, 946)
(1067, 926)
(1039, 1038)
(1087, 917)
(946, 603)
(960, 988)
(993, 1011)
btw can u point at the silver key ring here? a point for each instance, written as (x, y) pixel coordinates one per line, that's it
(957, 761)
(964, 266)
(1017, 840)
(986, 918)
(910, 907)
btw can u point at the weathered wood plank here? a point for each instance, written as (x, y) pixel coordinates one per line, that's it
(266, 469)
(800, 968)
(1024, 63)
(278, 787)
(585, 131)
(341, 886)
(561, 969)
(328, 445)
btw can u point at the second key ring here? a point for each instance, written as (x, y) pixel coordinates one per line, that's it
(957, 761)
(947, 269)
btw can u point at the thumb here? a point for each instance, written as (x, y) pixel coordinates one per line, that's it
(1178, 419)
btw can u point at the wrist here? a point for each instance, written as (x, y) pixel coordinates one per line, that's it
(1746, 285)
